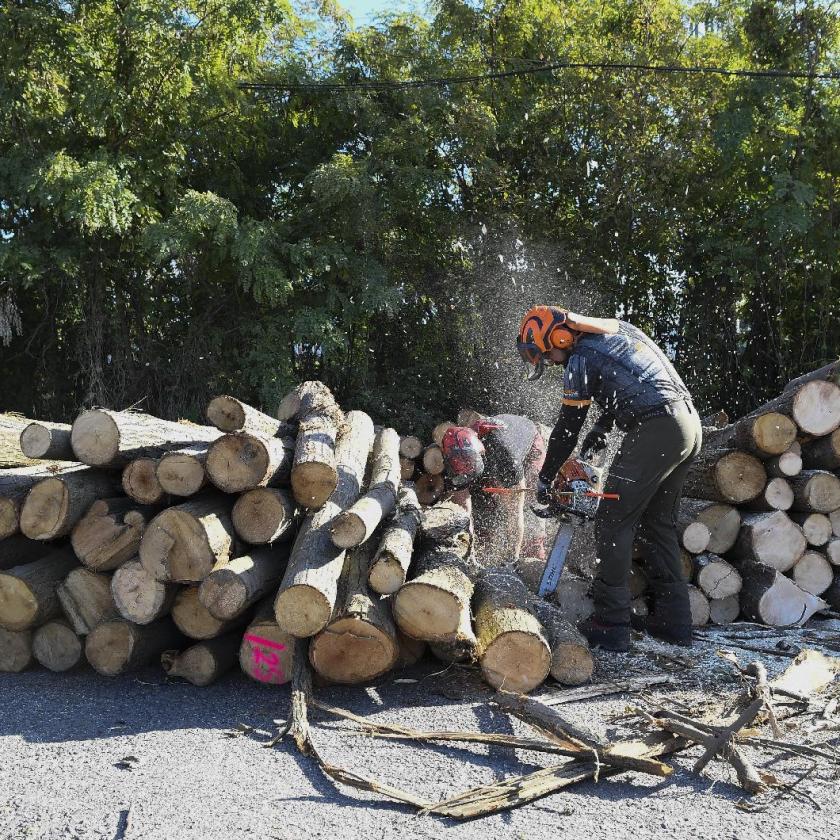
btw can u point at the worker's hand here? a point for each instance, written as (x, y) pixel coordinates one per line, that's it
(595, 441)
(575, 470)
(543, 491)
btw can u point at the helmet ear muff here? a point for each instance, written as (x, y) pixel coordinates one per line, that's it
(561, 338)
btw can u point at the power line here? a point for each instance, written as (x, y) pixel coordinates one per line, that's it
(445, 81)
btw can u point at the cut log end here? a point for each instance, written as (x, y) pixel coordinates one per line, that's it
(263, 515)
(426, 611)
(225, 596)
(724, 610)
(348, 530)
(516, 661)
(18, 604)
(699, 604)
(313, 483)
(816, 408)
(56, 646)
(238, 462)
(140, 481)
(695, 537)
(386, 575)
(95, 438)
(572, 664)
(110, 646)
(813, 573)
(351, 651)
(302, 611)
(180, 474)
(9, 517)
(35, 440)
(140, 598)
(266, 653)
(45, 511)
(226, 413)
(15, 650)
(411, 447)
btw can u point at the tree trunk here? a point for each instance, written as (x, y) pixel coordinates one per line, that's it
(110, 532)
(57, 646)
(307, 594)
(232, 587)
(204, 663)
(54, 505)
(694, 535)
(360, 642)
(770, 538)
(86, 599)
(355, 526)
(699, 604)
(389, 567)
(194, 620)
(116, 647)
(777, 495)
(243, 461)
(141, 483)
(19, 550)
(770, 598)
(229, 414)
(762, 434)
(433, 462)
(724, 610)
(411, 447)
(725, 475)
(267, 652)
(140, 598)
(314, 473)
(264, 515)
(16, 483)
(572, 662)
(814, 406)
(183, 543)
(183, 472)
(816, 491)
(429, 489)
(28, 593)
(723, 522)
(47, 441)
(15, 650)
(829, 372)
(813, 573)
(785, 465)
(815, 526)
(105, 438)
(715, 577)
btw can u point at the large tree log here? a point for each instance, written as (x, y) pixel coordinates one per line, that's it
(446, 522)
(771, 598)
(574, 597)
(762, 434)
(356, 525)
(429, 489)
(407, 469)
(389, 566)
(694, 535)
(815, 526)
(86, 599)
(512, 647)
(16, 483)
(110, 532)
(57, 646)
(699, 605)
(572, 662)
(715, 577)
(28, 594)
(814, 406)
(183, 543)
(15, 650)
(440, 430)
(116, 647)
(11, 456)
(433, 462)
(724, 610)
(47, 441)
(723, 522)
(140, 598)
(813, 573)
(54, 505)
(314, 472)
(822, 453)
(816, 491)
(829, 372)
(725, 475)
(777, 495)
(204, 663)
(19, 550)
(182, 472)
(307, 594)
(233, 586)
(264, 515)
(105, 438)
(243, 461)
(267, 652)
(232, 415)
(460, 647)
(411, 447)
(785, 465)
(360, 642)
(141, 483)
(770, 538)
(194, 620)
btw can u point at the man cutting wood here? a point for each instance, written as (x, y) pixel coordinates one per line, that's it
(618, 367)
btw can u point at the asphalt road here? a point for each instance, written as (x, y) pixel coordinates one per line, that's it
(84, 756)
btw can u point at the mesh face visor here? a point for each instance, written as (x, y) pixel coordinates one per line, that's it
(533, 358)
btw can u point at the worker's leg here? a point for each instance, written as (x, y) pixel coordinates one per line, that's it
(649, 454)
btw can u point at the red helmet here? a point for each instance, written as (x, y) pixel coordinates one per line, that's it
(463, 454)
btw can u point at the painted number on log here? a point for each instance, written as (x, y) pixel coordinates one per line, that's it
(267, 663)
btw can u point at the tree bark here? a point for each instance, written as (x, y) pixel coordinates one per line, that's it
(243, 461)
(140, 598)
(233, 586)
(822, 453)
(770, 598)
(204, 663)
(360, 642)
(141, 483)
(815, 526)
(829, 372)
(355, 526)
(716, 578)
(314, 472)
(777, 495)
(574, 598)
(723, 522)
(54, 505)
(105, 438)
(572, 662)
(57, 646)
(816, 491)
(813, 406)
(699, 604)
(19, 550)
(264, 515)
(785, 465)
(725, 475)
(116, 647)
(770, 538)
(195, 621)
(761, 433)
(15, 650)
(28, 594)
(109, 533)
(307, 594)
(460, 647)
(47, 441)
(389, 567)
(183, 543)
(724, 610)
(183, 471)
(229, 414)
(86, 599)
(813, 573)
(267, 652)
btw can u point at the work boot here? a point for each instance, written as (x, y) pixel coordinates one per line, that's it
(670, 616)
(606, 634)
(674, 634)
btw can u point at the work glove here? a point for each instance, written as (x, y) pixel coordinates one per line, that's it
(595, 441)
(575, 470)
(543, 491)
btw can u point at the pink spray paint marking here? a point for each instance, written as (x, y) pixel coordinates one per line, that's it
(267, 658)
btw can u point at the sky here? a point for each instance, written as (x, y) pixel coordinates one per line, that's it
(364, 10)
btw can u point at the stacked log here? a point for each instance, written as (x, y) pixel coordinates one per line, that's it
(47, 441)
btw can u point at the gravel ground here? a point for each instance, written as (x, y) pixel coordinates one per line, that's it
(84, 756)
